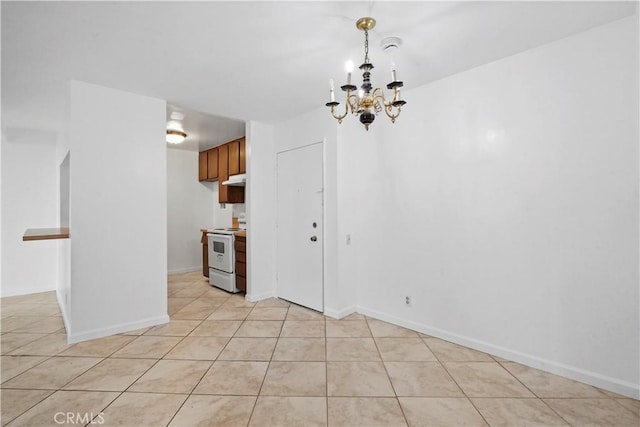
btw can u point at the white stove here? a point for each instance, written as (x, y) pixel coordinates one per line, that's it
(222, 258)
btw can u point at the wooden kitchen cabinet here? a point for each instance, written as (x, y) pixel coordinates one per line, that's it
(218, 163)
(241, 262)
(212, 164)
(202, 166)
(226, 193)
(208, 165)
(243, 156)
(234, 157)
(237, 156)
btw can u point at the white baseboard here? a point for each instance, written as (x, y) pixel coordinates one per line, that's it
(339, 314)
(115, 329)
(259, 297)
(63, 310)
(592, 378)
(184, 270)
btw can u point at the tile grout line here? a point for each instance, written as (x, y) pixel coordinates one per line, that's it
(536, 397)
(25, 371)
(535, 394)
(212, 362)
(28, 409)
(384, 366)
(59, 355)
(47, 358)
(266, 372)
(122, 392)
(456, 382)
(60, 389)
(326, 369)
(99, 363)
(46, 334)
(126, 390)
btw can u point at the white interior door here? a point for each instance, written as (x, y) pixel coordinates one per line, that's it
(300, 226)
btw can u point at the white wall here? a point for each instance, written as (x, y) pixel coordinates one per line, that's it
(64, 245)
(309, 128)
(260, 209)
(190, 206)
(29, 195)
(118, 215)
(222, 212)
(63, 195)
(504, 201)
(63, 288)
(352, 137)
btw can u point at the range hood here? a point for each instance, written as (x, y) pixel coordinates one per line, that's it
(236, 180)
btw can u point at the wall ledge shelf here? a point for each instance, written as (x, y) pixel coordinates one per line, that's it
(45, 233)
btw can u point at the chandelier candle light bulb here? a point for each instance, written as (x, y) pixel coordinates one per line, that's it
(349, 68)
(333, 95)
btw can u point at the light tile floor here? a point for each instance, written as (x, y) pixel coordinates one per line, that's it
(224, 361)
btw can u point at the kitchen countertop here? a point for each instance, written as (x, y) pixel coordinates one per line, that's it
(46, 233)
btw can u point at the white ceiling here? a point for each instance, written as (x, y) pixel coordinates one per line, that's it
(262, 61)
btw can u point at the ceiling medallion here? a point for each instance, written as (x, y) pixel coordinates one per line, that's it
(367, 102)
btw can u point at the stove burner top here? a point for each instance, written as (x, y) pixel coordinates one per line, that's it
(229, 230)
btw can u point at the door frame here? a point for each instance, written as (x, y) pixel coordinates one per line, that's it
(323, 143)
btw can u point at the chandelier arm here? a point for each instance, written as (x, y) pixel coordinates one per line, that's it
(352, 102)
(387, 111)
(378, 94)
(340, 117)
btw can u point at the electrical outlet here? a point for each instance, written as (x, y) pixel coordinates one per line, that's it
(407, 300)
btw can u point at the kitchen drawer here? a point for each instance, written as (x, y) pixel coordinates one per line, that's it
(241, 245)
(241, 283)
(241, 256)
(241, 269)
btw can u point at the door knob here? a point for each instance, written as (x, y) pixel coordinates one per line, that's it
(314, 238)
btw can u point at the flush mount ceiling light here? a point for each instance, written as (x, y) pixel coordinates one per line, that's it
(368, 101)
(175, 136)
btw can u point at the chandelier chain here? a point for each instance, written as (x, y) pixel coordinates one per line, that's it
(366, 46)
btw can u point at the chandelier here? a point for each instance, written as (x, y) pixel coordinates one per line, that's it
(367, 102)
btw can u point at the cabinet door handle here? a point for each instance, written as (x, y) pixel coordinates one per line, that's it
(314, 238)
